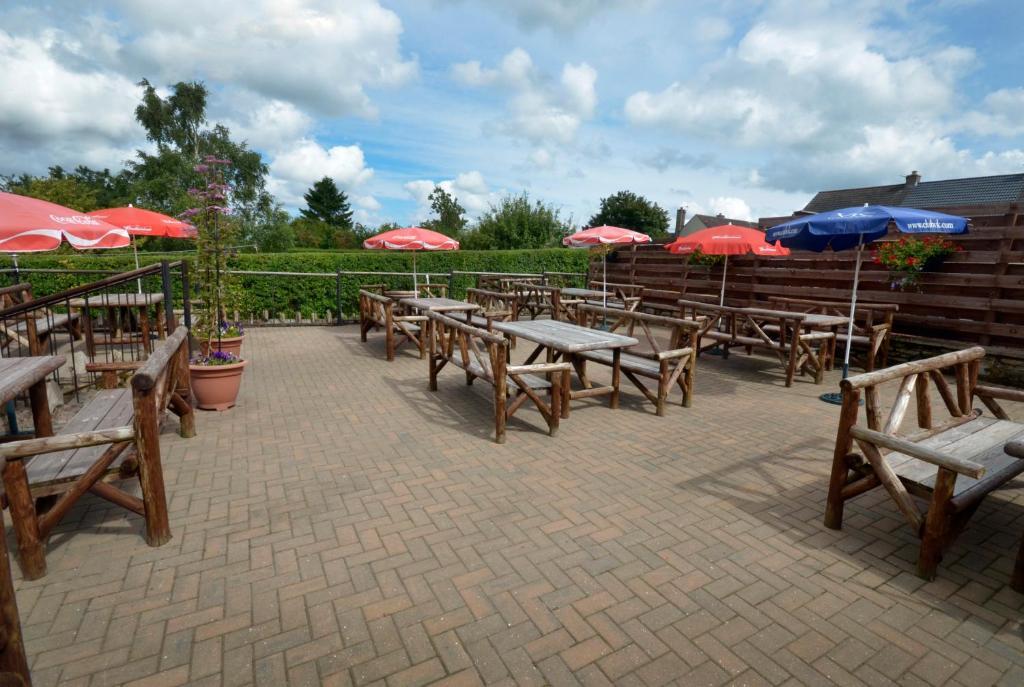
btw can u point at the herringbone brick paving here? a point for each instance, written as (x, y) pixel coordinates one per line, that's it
(345, 526)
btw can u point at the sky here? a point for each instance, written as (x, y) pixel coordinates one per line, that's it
(740, 107)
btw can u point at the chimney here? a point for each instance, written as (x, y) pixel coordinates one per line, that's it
(913, 179)
(680, 220)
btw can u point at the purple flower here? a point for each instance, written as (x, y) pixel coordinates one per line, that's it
(191, 212)
(201, 169)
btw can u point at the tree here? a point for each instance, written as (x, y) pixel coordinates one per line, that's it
(515, 222)
(325, 203)
(450, 220)
(631, 211)
(275, 234)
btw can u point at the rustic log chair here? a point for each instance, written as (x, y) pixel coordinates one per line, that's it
(436, 290)
(623, 296)
(534, 300)
(484, 355)
(952, 464)
(676, 364)
(495, 306)
(376, 311)
(776, 331)
(31, 331)
(113, 437)
(872, 325)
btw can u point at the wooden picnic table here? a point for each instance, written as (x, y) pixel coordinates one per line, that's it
(16, 376)
(823, 322)
(119, 307)
(566, 341)
(574, 292)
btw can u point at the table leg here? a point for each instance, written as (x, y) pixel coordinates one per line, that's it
(161, 322)
(41, 420)
(147, 345)
(567, 388)
(12, 650)
(616, 377)
(90, 337)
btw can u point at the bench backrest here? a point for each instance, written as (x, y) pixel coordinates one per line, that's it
(164, 373)
(538, 298)
(502, 282)
(681, 333)
(436, 290)
(15, 294)
(493, 303)
(915, 381)
(466, 345)
(754, 323)
(374, 306)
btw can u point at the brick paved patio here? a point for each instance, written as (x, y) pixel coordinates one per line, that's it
(343, 525)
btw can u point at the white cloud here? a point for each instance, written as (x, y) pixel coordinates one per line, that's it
(295, 169)
(560, 14)
(712, 29)
(270, 125)
(831, 100)
(76, 118)
(731, 207)
(537, 111)
(469, 188)
(322, 56)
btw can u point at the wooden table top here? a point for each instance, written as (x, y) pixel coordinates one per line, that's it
(564, 336)
(439, 304)
(118, 300)
(18, 374)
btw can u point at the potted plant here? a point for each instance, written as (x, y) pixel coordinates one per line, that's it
(217, 372)
(216, 379)
(908, 256)
(229, 340)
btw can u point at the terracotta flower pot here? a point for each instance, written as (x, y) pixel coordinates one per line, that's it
(228, 344)
(216, 386)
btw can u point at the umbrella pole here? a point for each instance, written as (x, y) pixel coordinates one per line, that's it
(725, 269)
(414, 285)
(604, 277)
(17, 272)
(853, 307)
(135, 252)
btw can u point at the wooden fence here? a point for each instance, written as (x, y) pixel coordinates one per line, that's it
(977, 295)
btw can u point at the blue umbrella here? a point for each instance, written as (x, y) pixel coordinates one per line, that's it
(855, 228)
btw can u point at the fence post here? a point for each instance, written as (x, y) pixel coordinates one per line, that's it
(337, 295)
(451, 282)
(544, 277)
(165, 280)
(186, 300)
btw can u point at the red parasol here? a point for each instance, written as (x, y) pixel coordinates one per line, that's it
(604, 235)
(727, 239)
(411, 238)
(30, 225)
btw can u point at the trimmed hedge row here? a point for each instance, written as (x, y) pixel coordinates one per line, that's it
(314, 295)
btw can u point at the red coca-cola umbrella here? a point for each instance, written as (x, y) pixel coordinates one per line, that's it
(604, 235)
(411, 238)
(30, 225)
(142, 222)
(727, 239)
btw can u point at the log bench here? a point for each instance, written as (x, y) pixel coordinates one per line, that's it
(484, 355)
(623, 296)
(495, 306)
(668, 365)
(534, 300)
(115, 435)
(777, 331)
(378, 312)
(952, 464)
(872, 325)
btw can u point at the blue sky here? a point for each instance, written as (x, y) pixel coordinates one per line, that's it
(741, 107)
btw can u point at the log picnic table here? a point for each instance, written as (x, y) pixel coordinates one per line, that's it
(16, 376)
(566, 341)
(118, 307)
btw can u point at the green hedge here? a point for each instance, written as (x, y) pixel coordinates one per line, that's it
(313, 295)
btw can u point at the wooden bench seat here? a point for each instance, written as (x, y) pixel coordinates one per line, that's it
(32, 333)
(953, 464)
(668, 363)
(115, 435)
(484, 355)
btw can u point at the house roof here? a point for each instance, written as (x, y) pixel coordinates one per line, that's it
(716, 221)
(990, 190)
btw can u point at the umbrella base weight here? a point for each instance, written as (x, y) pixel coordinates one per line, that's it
(835, 398)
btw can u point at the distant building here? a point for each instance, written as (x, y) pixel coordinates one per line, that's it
(991, 195)
(698, 222)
